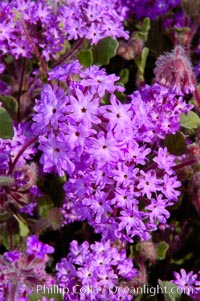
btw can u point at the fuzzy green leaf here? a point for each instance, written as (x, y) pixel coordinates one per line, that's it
(85, 58)
(38, 296)
(162, 250)
(149, 293)
(6, 181)
(6, 127)
(4, 216)
(190, 120)
(44, 205)
(55, 219)
(141, 62)
(104, 51)
(23, 227)
(6, 240)
(124, 76)
(170, 290)
(143, 29)
(176, 144)
(10, 104)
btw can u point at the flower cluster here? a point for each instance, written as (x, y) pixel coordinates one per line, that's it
(17, 180)
(98, 268)
(93, 20)
(19, 19)
(27, 23)
(116, 181)
(188, 283)
(84, 149)
(174, 71)
(149, 8)
(20, 272)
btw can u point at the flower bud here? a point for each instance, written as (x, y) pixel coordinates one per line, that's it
(174, 71)
(148, 251)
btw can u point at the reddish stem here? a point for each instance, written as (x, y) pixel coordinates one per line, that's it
(185, 164)
(44, 67)
(70, 53)
(197, 96)
(20, 153)
(20, 88)
(192, 33)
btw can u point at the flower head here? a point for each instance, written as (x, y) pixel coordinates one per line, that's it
(174, 71)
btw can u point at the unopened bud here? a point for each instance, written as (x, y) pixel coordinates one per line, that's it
(148, 251)
(174, 71)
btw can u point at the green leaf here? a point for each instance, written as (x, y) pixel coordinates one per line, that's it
(145, 25)
(85, 58)
(23, 227)
(186, 298)
(104, 51)
(45, 203)
(141, 62)
(6, 128)
(143, 29)
(55, 219)
(4, 216)
(9, 59)
(55, 189)
(146, 293)
(46, 293)
(170, 290)
(176, 144)
(6, 240)
(10, 104)
(176, 205)
(182, 29)
(162, 248)
(190, 120)
(6, 181)
(181, 261)
(124, 76)
(145, 297)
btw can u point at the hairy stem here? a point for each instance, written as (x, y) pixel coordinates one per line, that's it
(43, 65)
(185, 164)
(20, 153)
(70, 53)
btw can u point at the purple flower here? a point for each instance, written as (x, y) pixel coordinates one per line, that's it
(92, 20)
(165, 160)
(169, 186)
(20, 277)
(187, 283)
(36, 247)
(148, 183)
(157, 210)
(50, 109)
(98, 265)
(84, 107)
(99, 81)
(54, 155)
(105, 148)
(62, 73)
(118, 115)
